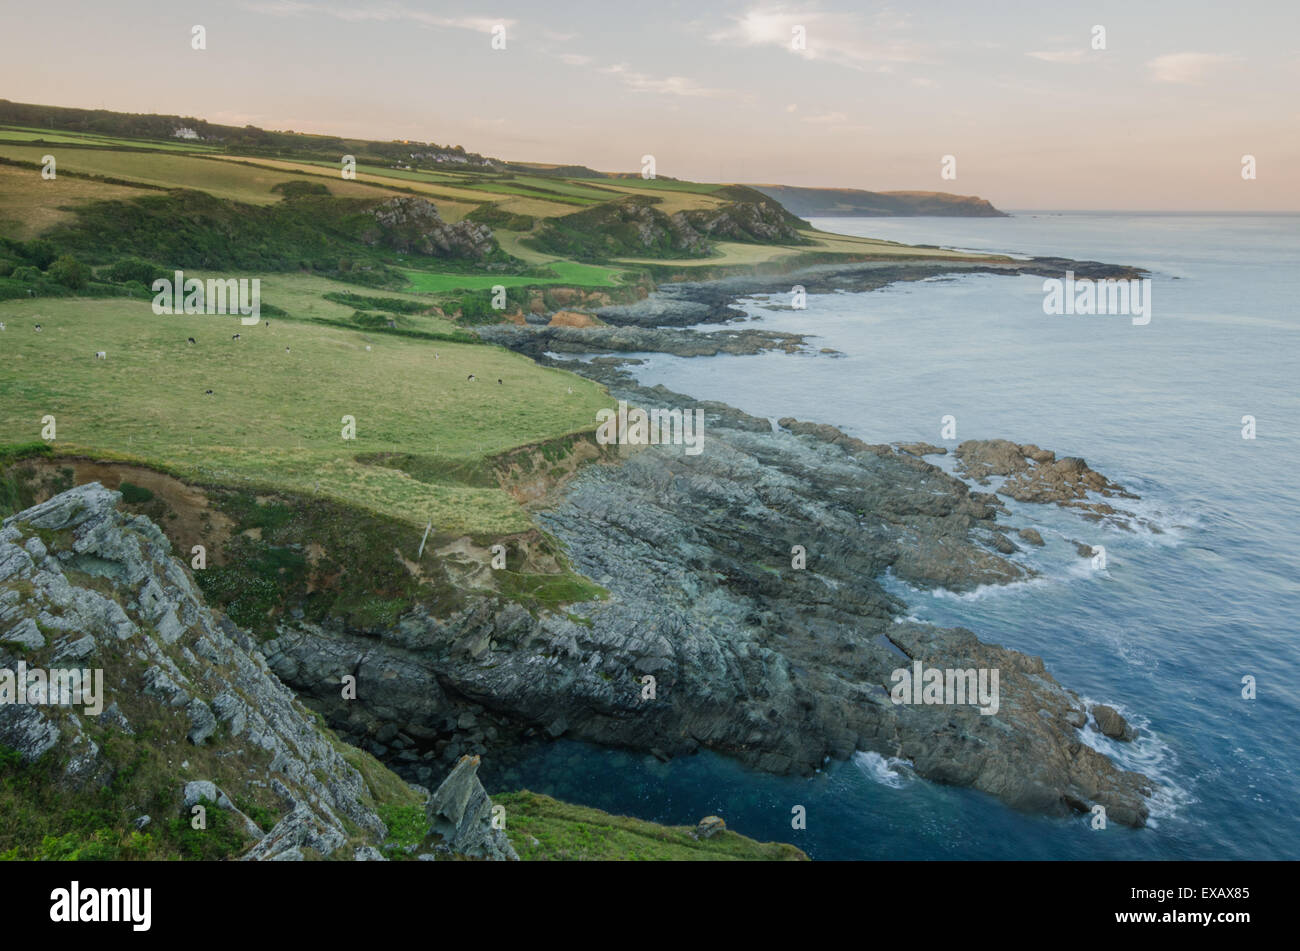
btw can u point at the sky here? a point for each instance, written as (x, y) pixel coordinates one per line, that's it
(1034, 114)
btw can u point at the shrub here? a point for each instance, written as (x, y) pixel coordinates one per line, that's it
(69, 272)
(133, 269)
(134, 494)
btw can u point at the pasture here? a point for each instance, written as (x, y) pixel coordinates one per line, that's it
(274, 417)
(247, 183)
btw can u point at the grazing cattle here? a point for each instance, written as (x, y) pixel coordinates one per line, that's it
(101, 355)
(235, 337)
(367, 348)
(38, 328)
(207, 392)
(191, 339)
(2, 325)
(499, 383)
(286, 349)
(470, 378)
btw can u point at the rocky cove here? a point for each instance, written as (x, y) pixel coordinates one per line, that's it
(777, 665)
(742, 611)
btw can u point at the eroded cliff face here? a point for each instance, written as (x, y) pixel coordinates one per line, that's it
(175, 718)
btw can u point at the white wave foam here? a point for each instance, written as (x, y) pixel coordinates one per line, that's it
(1149, 755)
(892, 772)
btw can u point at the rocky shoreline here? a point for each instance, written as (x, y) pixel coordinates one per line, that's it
(749, 653)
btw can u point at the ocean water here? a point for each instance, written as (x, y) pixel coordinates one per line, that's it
(1165, 633)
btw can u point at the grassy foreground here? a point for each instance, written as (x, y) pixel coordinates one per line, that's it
(545, 829)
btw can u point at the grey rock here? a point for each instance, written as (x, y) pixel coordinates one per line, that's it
(202, 721)
(461, 813)
(1112, 724)
(709, 826)
(26, 633)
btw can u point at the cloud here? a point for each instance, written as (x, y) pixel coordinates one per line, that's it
(1060, 56)
(679, 86)
(665, 85)
(834, 122)
(1185, 67)
(846, 39)
(383, 13)
(827, 118)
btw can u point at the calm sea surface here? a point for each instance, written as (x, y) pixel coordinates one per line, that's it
(1165, 633)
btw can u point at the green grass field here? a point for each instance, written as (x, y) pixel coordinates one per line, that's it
(274, 419)
(241, 182)
(566, 272)
(16, 133)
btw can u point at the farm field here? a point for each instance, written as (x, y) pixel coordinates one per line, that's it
(29, 134)
(274, 418)
(238, 182)
(731, 253)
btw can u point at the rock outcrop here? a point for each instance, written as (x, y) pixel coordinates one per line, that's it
(85, 587)
(412, 225)
(461, 814)
(1031, 474)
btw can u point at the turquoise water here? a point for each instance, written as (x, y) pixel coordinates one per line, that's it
(1165, 633)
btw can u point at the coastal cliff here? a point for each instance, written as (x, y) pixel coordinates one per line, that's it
(857, 203)
(180, 742)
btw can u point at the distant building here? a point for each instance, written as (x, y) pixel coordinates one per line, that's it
(185, 133)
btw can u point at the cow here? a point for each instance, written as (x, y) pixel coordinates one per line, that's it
(471, 378)
(38, 328)
(207, 392)
(101, 355)
(2, 325)
(191, 339)
(286, 349)
(499, 383)
(235, 337)
(367, 348)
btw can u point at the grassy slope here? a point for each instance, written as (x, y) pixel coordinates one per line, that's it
(565, 832)
(30, 205)
(275, 418)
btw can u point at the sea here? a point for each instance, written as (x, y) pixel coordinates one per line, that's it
(1190, 629)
